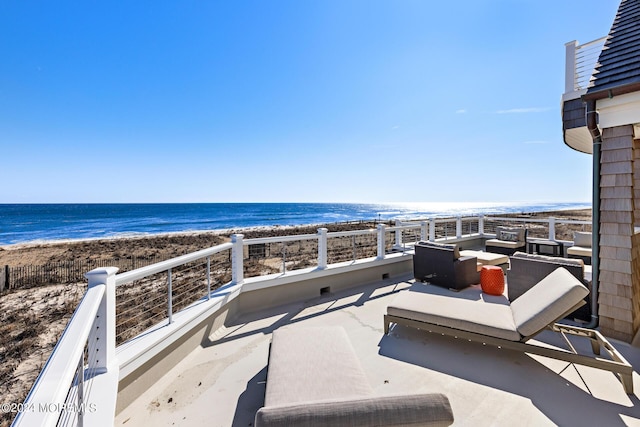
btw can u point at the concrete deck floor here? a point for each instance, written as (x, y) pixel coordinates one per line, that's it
(223, 384)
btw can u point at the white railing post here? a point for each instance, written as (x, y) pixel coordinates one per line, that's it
(398, 234)
(481, 225)
(552, 228)
(458, 227)
(381, 242)
(424, 230)
(432, 230)
(570, 67)
(322, 248)
(103, 336)
(237, 259)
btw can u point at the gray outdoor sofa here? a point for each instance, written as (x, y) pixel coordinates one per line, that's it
(475, 316)
(315, 379)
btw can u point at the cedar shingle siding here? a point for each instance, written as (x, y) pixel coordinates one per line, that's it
(618, 291)
(573, 114)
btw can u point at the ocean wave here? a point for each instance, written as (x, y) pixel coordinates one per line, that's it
(56, 223)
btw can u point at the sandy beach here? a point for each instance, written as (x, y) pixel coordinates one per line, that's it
(176, 244)
(31, 320)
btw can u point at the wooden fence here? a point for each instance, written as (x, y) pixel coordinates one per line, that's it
(29, 276)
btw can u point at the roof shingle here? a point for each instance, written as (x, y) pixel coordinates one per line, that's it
(619, 61)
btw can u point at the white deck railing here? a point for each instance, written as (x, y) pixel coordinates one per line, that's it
(580, 64)
(79, 383)
(72, 388)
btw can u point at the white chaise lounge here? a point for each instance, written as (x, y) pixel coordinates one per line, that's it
(493, 320)
(314, 378)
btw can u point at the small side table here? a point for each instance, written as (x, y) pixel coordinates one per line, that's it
(492, 280)
(556, 247)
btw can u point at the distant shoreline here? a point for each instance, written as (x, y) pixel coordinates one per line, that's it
(581, 213)
(61, 223)
(172, 244)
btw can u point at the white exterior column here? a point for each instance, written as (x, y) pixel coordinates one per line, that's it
(381, 242)
(322, 248)
(552, 228)
(237, 259)
(432, 230)
(570, 67)
(104, 334)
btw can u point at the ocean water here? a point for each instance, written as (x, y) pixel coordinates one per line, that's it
(22, 223)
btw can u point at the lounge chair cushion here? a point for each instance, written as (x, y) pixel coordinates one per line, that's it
(469, 310)
(298, 372)
(431, 409)
(580, 251)
(503, 244)
(583, 239)
(546, 302)
(315, 379)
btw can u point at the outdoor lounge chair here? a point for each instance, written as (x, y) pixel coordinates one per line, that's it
(581, 247)
(476, 316)
(315, 378)
(508, 241)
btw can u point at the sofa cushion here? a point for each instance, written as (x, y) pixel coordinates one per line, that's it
(307, 364)
(486, 258)
(582, 239)
(547, 301)
(469, 310)
(426, 409)
(503, 244)
(510, 234)
(447, 246)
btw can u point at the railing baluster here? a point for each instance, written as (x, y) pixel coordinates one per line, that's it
(284, 257)
(353, 245)
(80, 397)
(169, 297)
(208, 277)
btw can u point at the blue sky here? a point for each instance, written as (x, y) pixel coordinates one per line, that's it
(290, 101)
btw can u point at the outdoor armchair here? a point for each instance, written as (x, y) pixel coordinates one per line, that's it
(441, 264)
(508, 240)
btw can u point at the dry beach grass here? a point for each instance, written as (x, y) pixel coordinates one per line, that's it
(31, 320)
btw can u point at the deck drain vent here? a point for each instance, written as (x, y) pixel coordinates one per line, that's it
(385, 276)
(325, 290)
